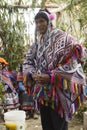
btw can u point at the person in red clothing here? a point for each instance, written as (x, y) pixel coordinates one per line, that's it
(9, 95)
(20, 85)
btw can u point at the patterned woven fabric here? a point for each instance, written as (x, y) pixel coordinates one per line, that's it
(54, 54)
(19, 76)
(10, 97)
(6, 79)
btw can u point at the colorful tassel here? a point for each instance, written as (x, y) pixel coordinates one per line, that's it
(65, 84)
(52, 78)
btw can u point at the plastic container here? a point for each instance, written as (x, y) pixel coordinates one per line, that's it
(15, 120)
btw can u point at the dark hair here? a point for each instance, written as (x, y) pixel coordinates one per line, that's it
(3, 65)
(42, 14)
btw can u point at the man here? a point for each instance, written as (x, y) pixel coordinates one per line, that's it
(53, 70)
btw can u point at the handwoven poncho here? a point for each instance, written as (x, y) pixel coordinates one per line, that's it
(60, 56)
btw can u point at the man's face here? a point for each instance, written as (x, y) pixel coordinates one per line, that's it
(41, 25)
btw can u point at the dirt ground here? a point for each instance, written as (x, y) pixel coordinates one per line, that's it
(34, 124)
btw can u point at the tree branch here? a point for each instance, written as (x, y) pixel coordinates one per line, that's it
(19, 3)
(26, 7)
(52, 6)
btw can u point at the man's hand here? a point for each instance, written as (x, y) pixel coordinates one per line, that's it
(41, 78)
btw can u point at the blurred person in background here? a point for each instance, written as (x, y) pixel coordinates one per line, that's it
(9, 98)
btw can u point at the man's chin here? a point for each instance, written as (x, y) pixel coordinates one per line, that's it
(42, 32)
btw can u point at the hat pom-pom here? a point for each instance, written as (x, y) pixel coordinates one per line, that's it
(52, 17)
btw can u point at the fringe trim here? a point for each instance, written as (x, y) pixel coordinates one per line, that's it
(47, 95)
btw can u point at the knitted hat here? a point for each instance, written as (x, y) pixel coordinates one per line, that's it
(44, 14)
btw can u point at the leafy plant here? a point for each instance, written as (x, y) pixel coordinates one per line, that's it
(1, 93)
(12, 36)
